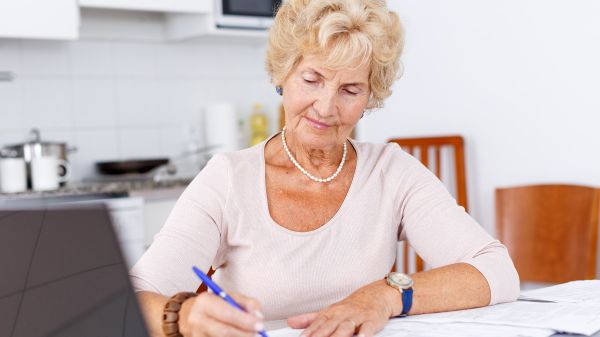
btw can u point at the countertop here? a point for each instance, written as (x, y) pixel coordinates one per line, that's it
(122, 187)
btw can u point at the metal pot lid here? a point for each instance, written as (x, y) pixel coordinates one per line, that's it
(34, 143)
(35, 138)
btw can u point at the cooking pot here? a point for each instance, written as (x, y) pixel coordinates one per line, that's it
(36, 148)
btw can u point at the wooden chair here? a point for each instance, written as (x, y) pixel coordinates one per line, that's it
(551, 231)
(429, 151)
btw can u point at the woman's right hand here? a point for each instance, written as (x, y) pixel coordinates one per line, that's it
(207, 315)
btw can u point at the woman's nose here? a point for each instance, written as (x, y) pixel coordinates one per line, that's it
(325, 103)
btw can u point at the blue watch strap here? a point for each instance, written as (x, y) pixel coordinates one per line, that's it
(407, 295)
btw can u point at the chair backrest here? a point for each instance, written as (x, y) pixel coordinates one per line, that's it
(551, 231)
(429, 151)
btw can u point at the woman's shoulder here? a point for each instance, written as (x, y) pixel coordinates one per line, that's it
(234, 162)
(240, 156)
(389, 159)
(382, 153)
(224, 166)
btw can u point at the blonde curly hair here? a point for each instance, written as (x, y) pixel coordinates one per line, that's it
(343, 32)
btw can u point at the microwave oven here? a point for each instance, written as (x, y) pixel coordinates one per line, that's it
(245, 14)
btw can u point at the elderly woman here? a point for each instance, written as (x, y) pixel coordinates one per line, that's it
(305, 225)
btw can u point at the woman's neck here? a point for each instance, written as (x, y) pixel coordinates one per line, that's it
(320, 159)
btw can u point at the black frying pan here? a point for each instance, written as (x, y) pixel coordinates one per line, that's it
(130, 166)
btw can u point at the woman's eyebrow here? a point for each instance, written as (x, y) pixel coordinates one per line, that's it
(358, 84)
(316, 72)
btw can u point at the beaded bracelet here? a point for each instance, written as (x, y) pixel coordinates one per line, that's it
(170, 319)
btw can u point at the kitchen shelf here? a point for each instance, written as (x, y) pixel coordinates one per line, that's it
(166, 6)
(202, 26)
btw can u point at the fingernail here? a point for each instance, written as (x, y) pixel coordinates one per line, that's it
(259, 314)
(259, 326)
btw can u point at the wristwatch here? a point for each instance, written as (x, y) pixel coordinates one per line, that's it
(404, 284)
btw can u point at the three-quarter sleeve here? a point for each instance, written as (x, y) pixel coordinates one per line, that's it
(191, 235)
(442, 233)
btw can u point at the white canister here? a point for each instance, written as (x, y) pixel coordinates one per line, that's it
(45, 173)
(222, 127)
(13, 175)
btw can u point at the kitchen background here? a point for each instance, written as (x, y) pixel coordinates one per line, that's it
(518, 79)
(129, 98)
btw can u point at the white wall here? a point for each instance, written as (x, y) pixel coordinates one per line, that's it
(519, 79)
(116, 99)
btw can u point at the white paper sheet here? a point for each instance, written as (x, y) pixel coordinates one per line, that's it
(401, 328)
(572, 307)
(570, 292)
(562, 317)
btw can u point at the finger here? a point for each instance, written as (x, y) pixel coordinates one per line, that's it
(367, 329)
(345, 328)
(216, 328)
(250, 304)
(322, 326)
(216, 308)
(301, 321)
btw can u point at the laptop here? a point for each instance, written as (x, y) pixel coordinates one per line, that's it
(62, 274)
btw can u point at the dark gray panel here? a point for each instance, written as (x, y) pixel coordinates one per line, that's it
(18, 235)
(72, 241)
(78, 284)
(58, 303)
(102, 321)
(8, 312)
(135, 326)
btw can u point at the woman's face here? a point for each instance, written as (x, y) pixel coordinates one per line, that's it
(323, 105)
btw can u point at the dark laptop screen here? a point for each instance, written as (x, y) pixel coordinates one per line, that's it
(62, 274)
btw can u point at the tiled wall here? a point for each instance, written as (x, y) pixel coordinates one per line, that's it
(119, 99)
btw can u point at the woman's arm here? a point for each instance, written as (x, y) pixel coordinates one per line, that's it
(192, 235)
(366, 311)
(152, 305)
(443, 233)
(469, 268)
(452, 287)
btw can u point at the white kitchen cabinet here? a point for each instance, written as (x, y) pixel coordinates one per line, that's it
(177, 6)
(180, 26)
(127, 215)
(156, 213)
(56, 19)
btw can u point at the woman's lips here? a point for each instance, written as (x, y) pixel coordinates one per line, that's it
(318, 125)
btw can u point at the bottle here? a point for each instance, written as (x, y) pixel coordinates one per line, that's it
(259, 125)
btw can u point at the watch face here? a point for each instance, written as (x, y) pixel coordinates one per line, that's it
(402, 280)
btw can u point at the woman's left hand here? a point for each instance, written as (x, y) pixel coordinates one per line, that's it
(364, 312)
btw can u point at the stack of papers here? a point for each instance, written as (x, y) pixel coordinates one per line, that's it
(560, 317)
(584, 292)
(572, 308)
(399, 328)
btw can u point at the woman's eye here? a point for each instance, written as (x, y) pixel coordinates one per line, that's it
(350, 92)
(309, 80)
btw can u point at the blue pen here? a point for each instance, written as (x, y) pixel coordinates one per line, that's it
(217, 290)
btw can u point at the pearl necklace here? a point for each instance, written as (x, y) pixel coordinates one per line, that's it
(303, 170)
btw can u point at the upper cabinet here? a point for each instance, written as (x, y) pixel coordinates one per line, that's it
(118, 19)
(56, 19)
(175, 6)
(190, 26)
